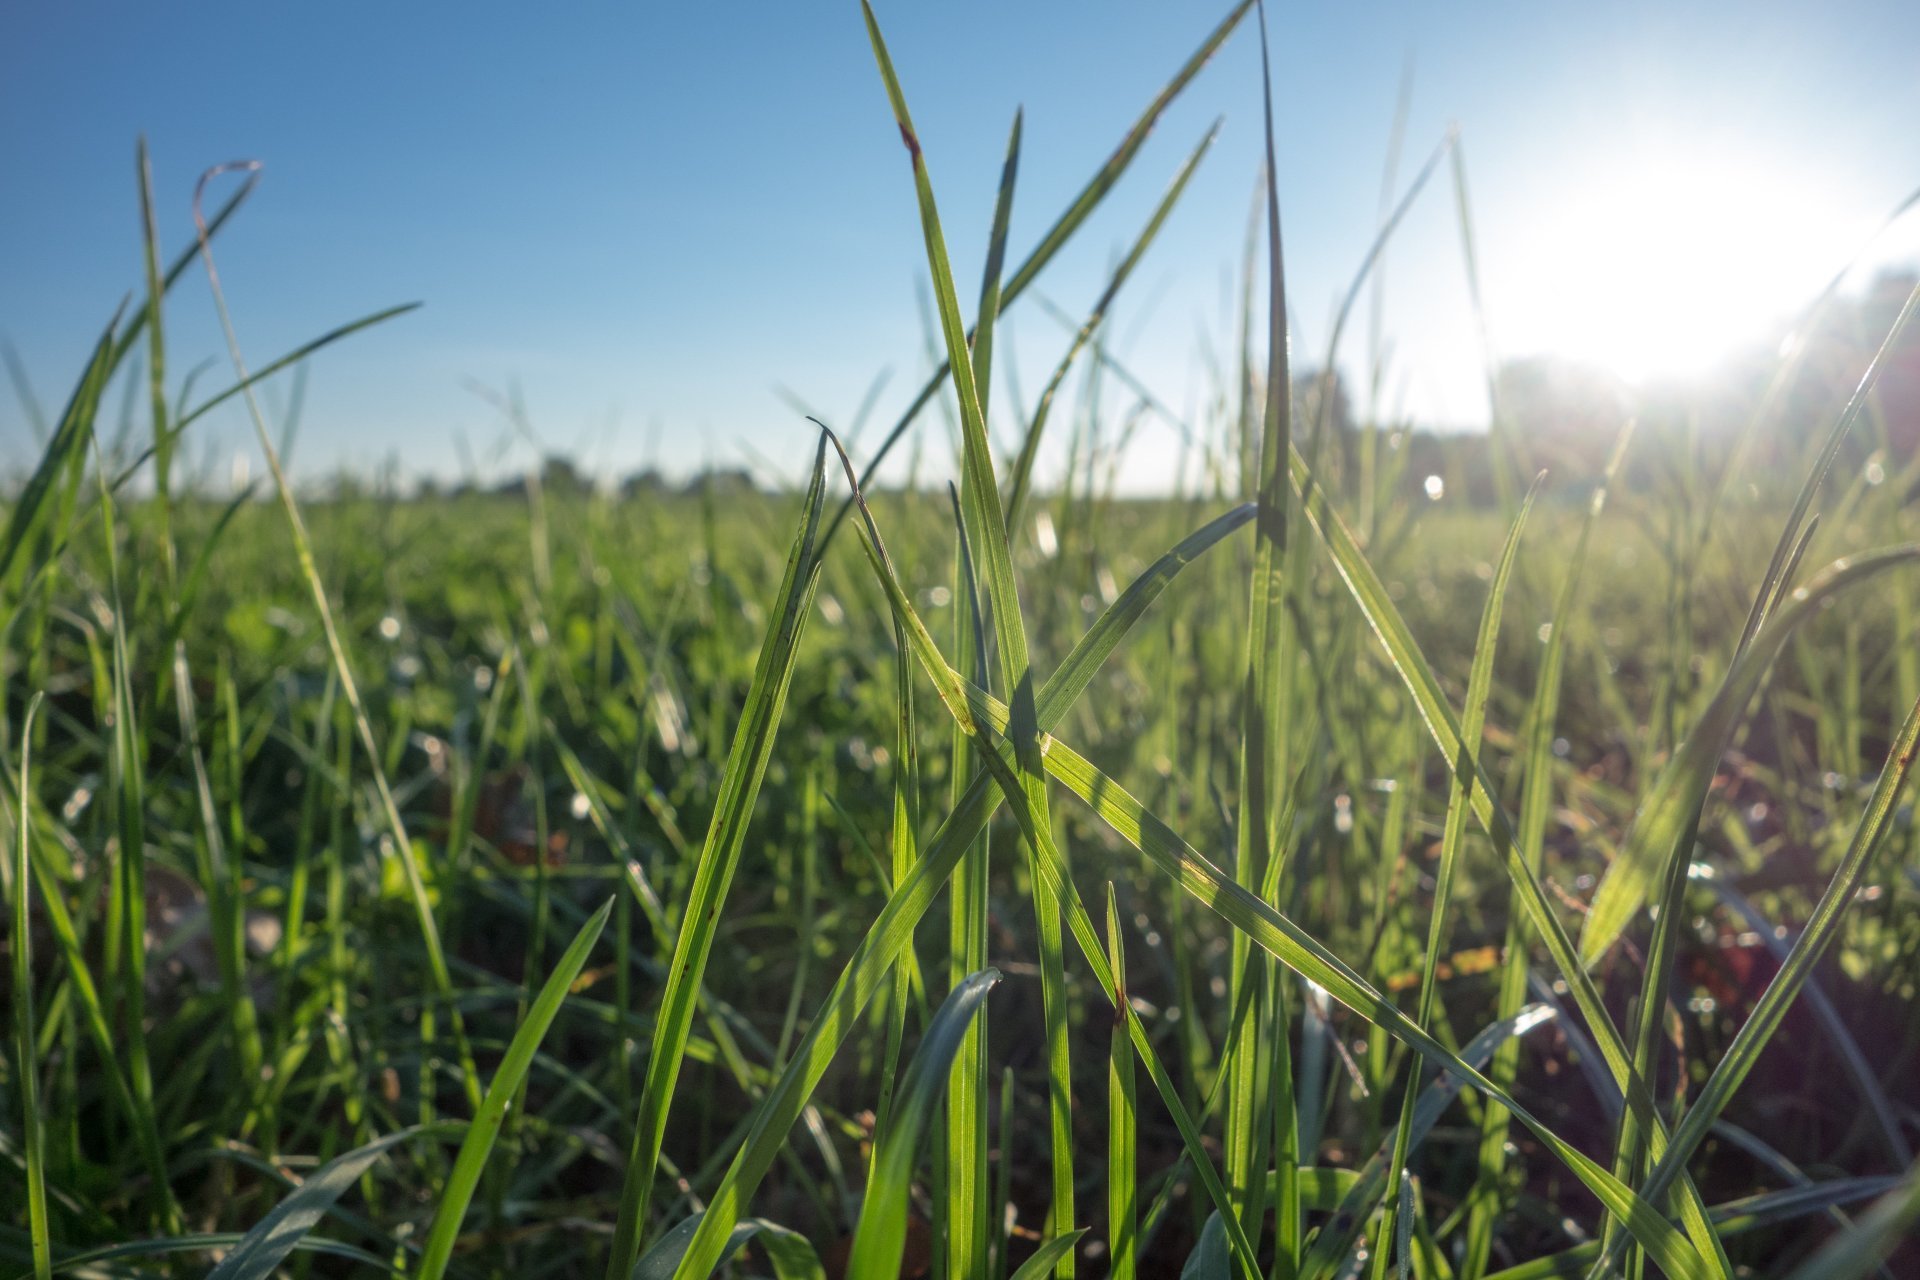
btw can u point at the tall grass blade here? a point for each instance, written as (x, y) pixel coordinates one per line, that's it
(980, 499)
(1122, 1103)
(1885, 1227)
(713, 874)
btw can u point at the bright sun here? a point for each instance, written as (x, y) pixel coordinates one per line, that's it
(1659, 266)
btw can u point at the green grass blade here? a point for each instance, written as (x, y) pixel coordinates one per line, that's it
(1822, 926)
(792, 1257)
(980, 499)
(1536, 798)
(262, 1250)
(1376, 604)
(26, 1058)
(1048, 1256)
(990, 276)
(457, 1192)
(891, 932)
(719, 859)
(880, 1240)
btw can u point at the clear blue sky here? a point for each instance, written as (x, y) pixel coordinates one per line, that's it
(651, 214)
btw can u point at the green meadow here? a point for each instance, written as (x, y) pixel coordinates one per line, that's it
(1499, 864)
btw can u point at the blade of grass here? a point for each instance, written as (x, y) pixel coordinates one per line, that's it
(403, 848)
(719, 859)
(891, 931)
(980, 499)
(26, 1059)
(1821, 927)
(491, 1116)
(880, 1240)
(262, 1250)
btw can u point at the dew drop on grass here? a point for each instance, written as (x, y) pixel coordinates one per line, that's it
(1436, 488)
(389, 628)
(580, 807)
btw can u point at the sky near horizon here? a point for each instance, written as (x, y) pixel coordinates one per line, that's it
(665, 223)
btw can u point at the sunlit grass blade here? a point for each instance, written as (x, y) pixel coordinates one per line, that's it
(1048, 1255)
(713, 875)
(1733, 1218)
(985, 519)
(1365, 1188)
(457, 1191)
(1465, 766)
(26, 1057)
(1261, 1116)
(981, 339)
(1020, 477)
(1268, 928)
(58, 471)
(1299, 951)
(880, 1240)
(260, 1252)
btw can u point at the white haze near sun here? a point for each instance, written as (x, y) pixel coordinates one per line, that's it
(1659, 265)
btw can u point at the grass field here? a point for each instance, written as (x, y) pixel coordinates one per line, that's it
(1293, 876)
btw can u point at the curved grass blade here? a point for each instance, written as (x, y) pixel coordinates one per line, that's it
(792, 1257)
(262, 1250)
(1535, 800)
(342, 662)
(1048, 1255)
(1472, 733)
(1367, 1187)
(492, 1115)
(719, 859)
(1416, 673)
(1122, 1103)
(1262, 1117)
(880, 1240)
(1735, 1217)
(1271, 930)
